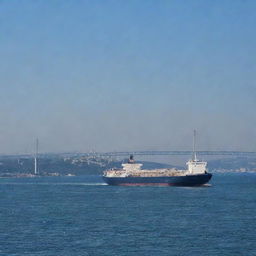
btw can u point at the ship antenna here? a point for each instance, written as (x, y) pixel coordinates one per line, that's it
(194, 146)
(36, 154)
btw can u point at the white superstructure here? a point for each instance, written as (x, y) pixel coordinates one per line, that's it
(195, 166)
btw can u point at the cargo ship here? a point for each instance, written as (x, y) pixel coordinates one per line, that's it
(132, 174)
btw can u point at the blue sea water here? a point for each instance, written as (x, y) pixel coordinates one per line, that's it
(81, 216)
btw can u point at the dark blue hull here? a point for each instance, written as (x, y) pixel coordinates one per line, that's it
(188, 181)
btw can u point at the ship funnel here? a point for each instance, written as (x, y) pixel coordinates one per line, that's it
(131, 159)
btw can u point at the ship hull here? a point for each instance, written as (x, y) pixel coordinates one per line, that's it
(187, 181)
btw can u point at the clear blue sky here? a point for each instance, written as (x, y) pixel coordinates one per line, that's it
(127, 75)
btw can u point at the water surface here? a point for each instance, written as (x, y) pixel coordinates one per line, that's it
(82, 216)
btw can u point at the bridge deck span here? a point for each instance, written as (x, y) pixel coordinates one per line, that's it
(179, 153)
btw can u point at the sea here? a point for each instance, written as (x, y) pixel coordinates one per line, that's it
(81, 215)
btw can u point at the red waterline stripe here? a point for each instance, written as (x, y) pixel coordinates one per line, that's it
(145, 184)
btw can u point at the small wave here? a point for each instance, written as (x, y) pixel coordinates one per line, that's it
(207, 185)
(52, 183)
(233, 171)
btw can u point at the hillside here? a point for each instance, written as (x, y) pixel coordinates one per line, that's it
(15, 166)
(59, 165)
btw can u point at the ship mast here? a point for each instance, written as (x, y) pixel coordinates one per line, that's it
(35, 159)
(194, 147)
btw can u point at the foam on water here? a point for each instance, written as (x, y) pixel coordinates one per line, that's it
(55, 184)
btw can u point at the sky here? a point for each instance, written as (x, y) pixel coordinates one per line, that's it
(127, 75)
